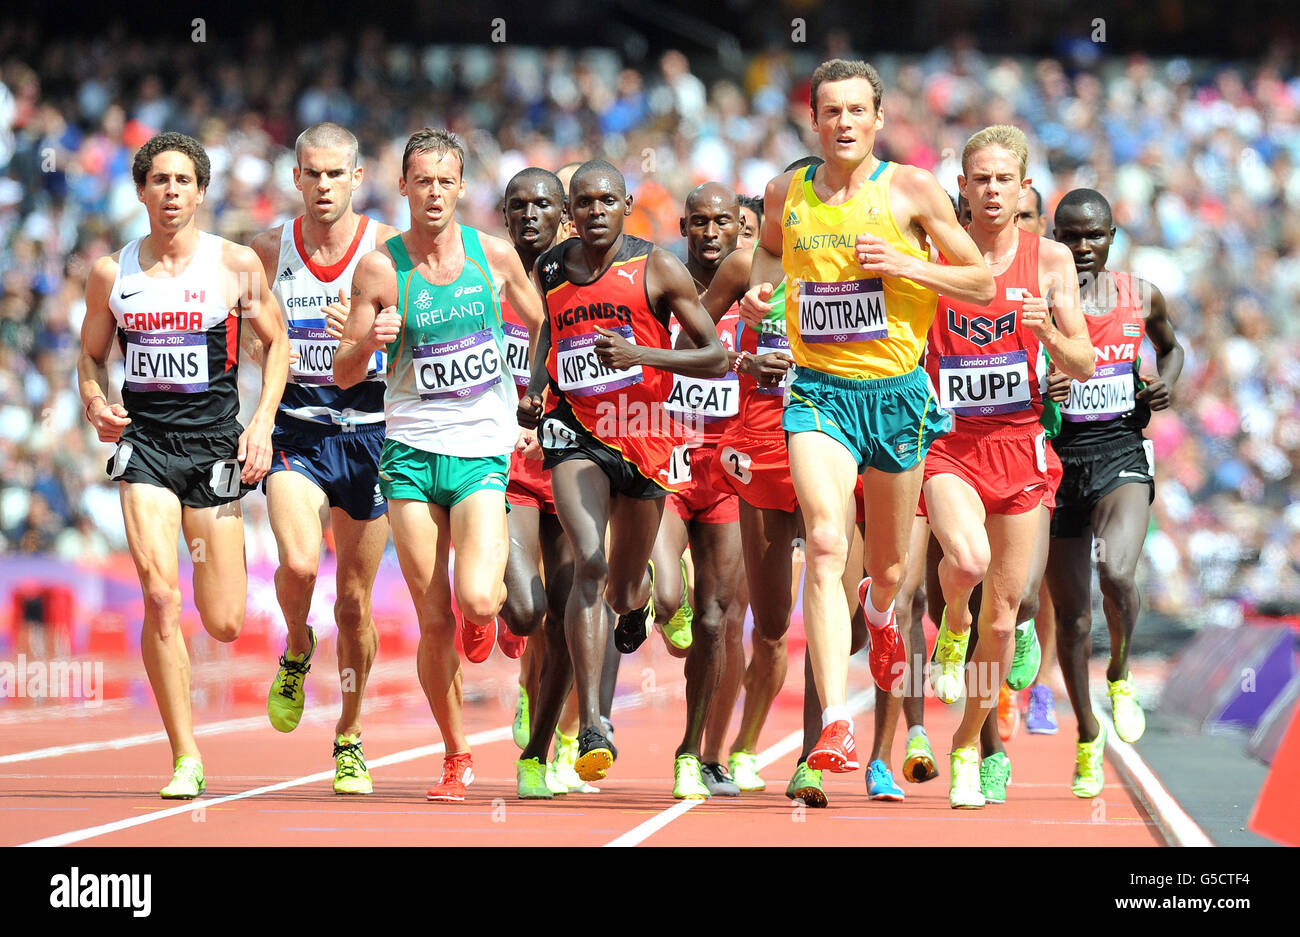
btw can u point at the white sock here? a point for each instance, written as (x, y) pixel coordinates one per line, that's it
(836, 714)
(915, 731)
(874, 618)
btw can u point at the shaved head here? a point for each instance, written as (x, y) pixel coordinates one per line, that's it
(603, 169)
(713, 192)
(535, 174)
(1086, 199)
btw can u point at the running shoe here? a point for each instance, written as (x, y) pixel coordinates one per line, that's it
(350, 774)
(561, 766)
(608, 728)
(477, 640)
(964, 791)
(1130, 722)
(512, 645)
(530, 780)
(457, 774)
(718, 781)
(880, 782)
(594, 755)
(634, 627)
(948, 665)
(885, 656)
(520, 729)
(187, 780)
(1027, 657)
(678, 629)
(1089, 776)
(1041, 718)
(918, 763)
(835, 750)
(743, 766)
(1008, 713)
(806, 786)
(688, 779)
(995, 775)
(285, 701)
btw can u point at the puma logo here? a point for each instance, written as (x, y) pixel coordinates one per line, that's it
(630, 274)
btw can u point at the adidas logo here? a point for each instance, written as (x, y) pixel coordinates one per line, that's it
(792, 220)
(286, 275)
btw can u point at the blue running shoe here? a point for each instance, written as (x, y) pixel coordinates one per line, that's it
(1041, 719)
(880, 782)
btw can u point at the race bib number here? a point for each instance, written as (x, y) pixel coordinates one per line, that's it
(679, 467)
(833, 313)
(708, 399)
(1107, 395)
(457, 369)
(580, 371)
(769, 343)
(315, 349)
(553, 434)
(172, 362)
(736, 464)
(517, 352)
(224, 481)
(982, 385)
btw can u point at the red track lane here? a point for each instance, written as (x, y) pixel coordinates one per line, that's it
(74, 792)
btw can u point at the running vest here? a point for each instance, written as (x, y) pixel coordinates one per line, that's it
(448, 385)
(1104, 407)
(180, 338)
(303, 289)
(841, 320)
(988, 368)
(708, 405)
(516, 336)
(761, 407)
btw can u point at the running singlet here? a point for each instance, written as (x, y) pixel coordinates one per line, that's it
(761, 407)
(1104, 407)
(516, 335)
(303, 290)
(180, 338)
(987, 367)
(449, 387)
(841, 320)
(708, 405)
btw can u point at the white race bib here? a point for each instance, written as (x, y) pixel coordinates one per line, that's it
(517, 352)
(459, 368)
(581, 372)
(833, 313)
(315, 348)
(679, 467)
(981, 385)
(1107, 395)
(174, 362)
(769, 343)
(553, 434)
(710, 399)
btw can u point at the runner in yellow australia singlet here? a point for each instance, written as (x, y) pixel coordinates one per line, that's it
(853, 238)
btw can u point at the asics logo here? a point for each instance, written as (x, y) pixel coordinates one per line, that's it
(467, 290)
(630, 274)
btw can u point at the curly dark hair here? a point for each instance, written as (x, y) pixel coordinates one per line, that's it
(179, 143)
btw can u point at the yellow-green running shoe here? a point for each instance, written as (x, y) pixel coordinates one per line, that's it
(1130, 721)
(350, 774)
(688, 779)
(520, 728)
(562, 767)
(964, 792)
(187, 780)
(285, 701)
(995, 775)
(531, 781)
(1027, 657)
(678, 629)
(744, 768)
(918, 763)
(806, 786)
(948, 665)
(1089, 776)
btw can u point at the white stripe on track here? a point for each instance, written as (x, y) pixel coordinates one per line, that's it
(858, 703)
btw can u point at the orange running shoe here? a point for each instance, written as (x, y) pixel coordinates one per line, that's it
(1008, 713)
(835, 751)
(510, 643)
(885, 655)
(477, 641)
(457, 774)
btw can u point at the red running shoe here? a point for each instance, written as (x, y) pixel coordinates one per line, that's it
(457, 774)
(510, 643)
(885, 655)
(477, 641)
(835, 751)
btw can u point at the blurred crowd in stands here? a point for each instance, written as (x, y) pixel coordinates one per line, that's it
(1200, 159)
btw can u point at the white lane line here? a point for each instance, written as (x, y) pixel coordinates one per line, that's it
(860, 702)
(1176, 825)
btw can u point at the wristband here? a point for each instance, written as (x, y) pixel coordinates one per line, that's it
(740, 360)
(92, 400)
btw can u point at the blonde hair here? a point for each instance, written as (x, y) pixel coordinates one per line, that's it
(1003, 135)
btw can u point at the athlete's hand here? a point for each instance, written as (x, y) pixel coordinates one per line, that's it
(1156, 393)
(615, 351)
(1058, 384)
(109, 420)
(769, 369)
(754, 305)
(878, 256)
(1036, 315)
(527, 444)
(529, 413)
(255, 451)
(336, 315)
(385, 328)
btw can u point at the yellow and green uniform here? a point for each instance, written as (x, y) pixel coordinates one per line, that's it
(856, 339)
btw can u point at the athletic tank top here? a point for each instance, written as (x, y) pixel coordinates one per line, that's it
(1104, 407)
(987, 367)
(448, 387)
(516, 336)
(303, 290)
(180, 338)
(761, 407)
(707, 405)
(841, 320)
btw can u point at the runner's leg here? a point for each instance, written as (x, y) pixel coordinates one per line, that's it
(360, 546)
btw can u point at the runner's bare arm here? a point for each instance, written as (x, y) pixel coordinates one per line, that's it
(372, 318)
(730, 283)
(1169, 353)
(765, 271)
(257, 306)
(1055, 315)
(267, 247)
(97, 331)
(918, 200)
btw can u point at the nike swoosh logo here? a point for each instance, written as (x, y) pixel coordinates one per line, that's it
(1032, 487)
(1127, 474)
(129, 295)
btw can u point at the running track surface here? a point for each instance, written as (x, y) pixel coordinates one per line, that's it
(76, 774)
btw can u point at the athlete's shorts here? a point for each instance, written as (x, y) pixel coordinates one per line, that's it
(1008, 467)
(564, 438)
(886, 424)
(1055, 472)
(343, 463)
(1092, 473)
(700, 500)
(198, 466)
(754, 468)
(530, 484)
(405, 472)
